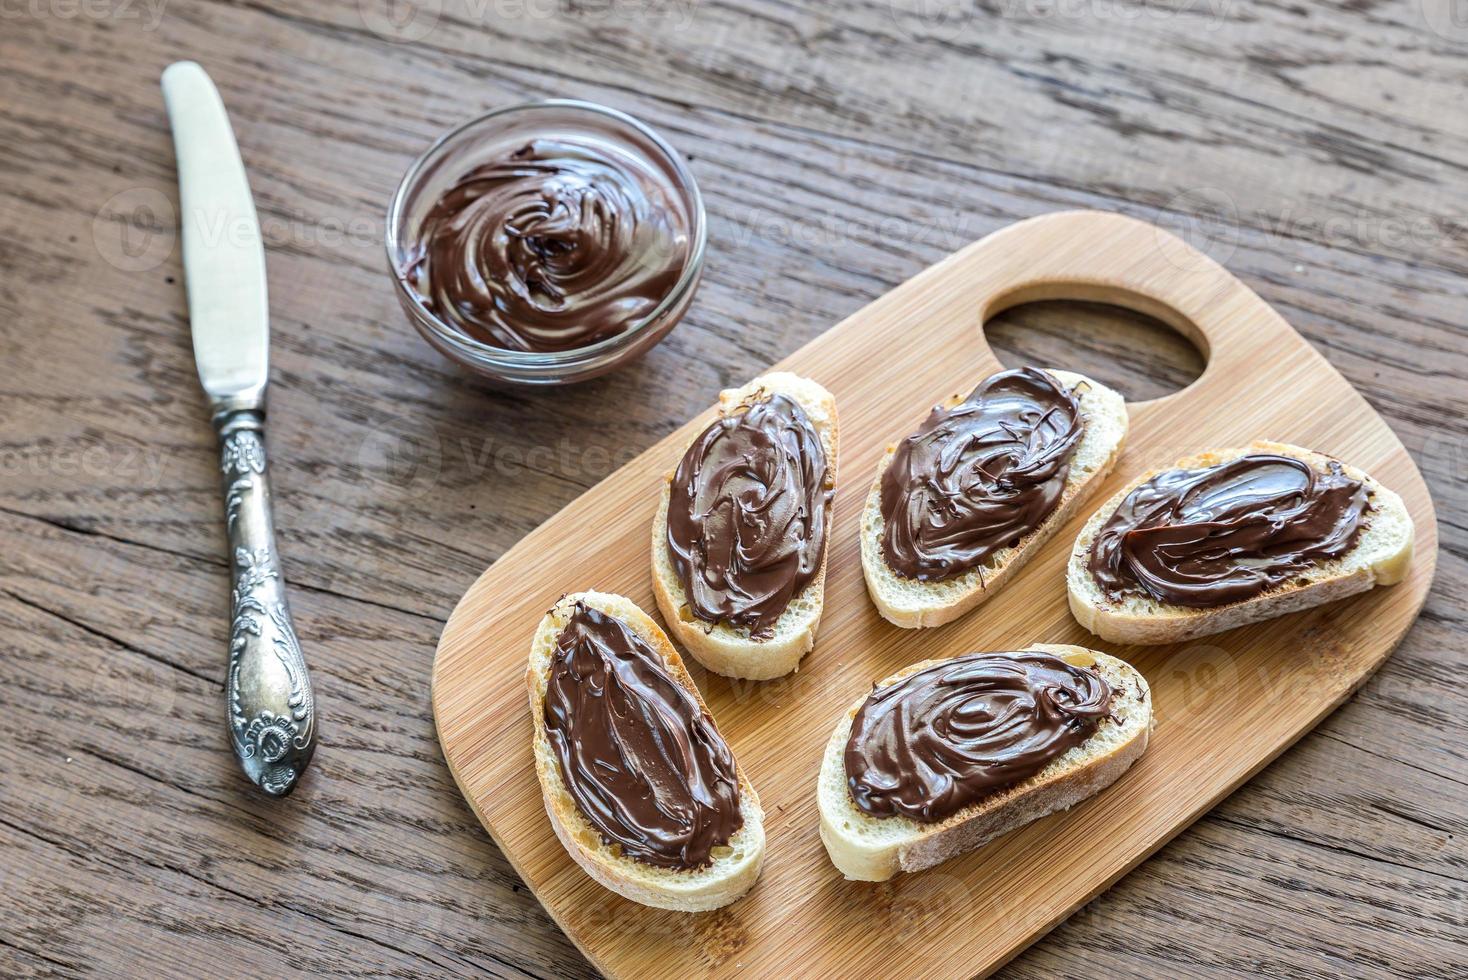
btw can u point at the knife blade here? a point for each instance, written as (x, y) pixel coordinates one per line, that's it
(270, 707)
(224, 257)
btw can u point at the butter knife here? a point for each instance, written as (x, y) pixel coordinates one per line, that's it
(270, 707)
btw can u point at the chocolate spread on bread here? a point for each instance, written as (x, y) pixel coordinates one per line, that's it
(948, 736)
(977, 477)
(644, 763)
(748, 514)
(559, 245)
(1210, 536)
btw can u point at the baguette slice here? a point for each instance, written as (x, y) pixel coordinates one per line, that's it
(914, 604)
(867, 848)
(700, 890)
(721, 647)
(1381, 556)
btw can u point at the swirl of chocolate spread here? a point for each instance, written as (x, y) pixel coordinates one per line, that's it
(749, 509)
(1211, 536)
(558, 245)
(945, 737)
(979, 476)
(644, 763)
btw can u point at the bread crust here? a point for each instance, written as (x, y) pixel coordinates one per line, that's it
(1075, 776)
(698, 890)
(914, 604)
(726, 649)
(1376, 559)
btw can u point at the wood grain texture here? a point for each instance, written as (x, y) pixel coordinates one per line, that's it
(1223, 707)
(398, 479)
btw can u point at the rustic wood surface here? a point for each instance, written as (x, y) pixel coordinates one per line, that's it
(1223, 706)
(1318, 150)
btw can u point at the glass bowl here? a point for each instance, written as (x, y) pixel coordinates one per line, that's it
(493, 135)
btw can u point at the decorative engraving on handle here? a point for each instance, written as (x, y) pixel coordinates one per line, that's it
(272, 713)
(243, 458)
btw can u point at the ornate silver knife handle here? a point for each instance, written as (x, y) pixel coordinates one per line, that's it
(272, 713)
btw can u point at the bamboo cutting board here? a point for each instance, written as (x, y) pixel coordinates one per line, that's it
(1225, 706)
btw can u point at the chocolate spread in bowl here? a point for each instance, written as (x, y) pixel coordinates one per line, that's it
(559, 244)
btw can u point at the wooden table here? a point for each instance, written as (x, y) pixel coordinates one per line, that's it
(1319, 152)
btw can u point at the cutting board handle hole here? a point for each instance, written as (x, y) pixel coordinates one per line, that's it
(1121, 341)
